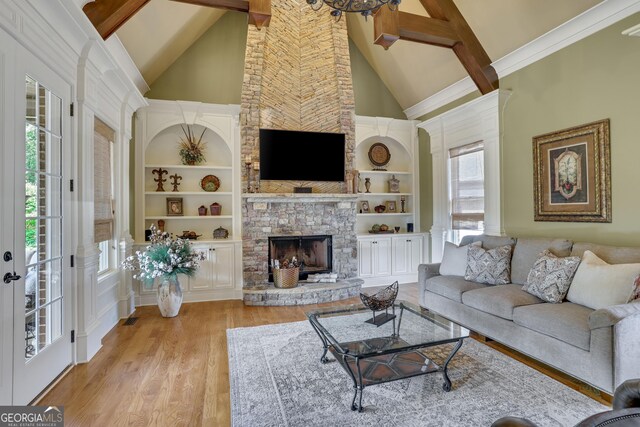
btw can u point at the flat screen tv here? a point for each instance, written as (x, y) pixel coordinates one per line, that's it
(287, 155)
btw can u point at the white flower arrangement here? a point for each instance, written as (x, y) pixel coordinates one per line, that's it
(164, 257)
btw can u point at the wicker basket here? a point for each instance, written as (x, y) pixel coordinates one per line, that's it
(286, 277)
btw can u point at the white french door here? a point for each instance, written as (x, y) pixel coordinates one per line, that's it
(35, 216)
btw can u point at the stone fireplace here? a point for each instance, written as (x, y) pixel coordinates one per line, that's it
(266, 215)
(315, 253)
(297, 76)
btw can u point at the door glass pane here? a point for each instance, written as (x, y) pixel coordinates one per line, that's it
(43, 218)
(31, 101)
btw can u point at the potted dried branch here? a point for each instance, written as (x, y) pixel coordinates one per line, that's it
(192, 148)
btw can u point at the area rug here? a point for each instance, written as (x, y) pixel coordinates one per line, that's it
(277, 380)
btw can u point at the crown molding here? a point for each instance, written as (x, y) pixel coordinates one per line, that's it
(587, 23)
(633, 31)
(123, 59)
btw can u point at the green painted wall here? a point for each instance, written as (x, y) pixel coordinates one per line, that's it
(212, 69)
(371, 95)
(593, 79)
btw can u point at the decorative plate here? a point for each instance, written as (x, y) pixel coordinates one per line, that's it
(210, 183)
(379, 154)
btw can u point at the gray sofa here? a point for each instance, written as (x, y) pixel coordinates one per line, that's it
(600, 347)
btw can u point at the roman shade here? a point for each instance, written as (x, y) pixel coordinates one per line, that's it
(103, 137)
(467, 186)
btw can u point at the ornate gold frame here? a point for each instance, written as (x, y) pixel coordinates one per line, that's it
(592, 186)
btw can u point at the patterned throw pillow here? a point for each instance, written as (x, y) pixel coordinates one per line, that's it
(492, 267)
(550, 276)
(635, 295)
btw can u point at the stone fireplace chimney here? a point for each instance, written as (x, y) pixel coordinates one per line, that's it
(297, 76)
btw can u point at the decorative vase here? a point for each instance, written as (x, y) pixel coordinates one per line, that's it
(169, 296)
(202, 210)
(367, 185)
(215, 209)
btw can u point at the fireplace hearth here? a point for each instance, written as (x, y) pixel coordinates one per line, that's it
(314, 252)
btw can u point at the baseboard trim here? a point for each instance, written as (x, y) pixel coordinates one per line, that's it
(51, 385)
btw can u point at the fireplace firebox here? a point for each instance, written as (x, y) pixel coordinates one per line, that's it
(314, 252)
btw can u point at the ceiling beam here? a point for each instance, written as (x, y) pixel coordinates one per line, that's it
(260, 13)
(469, 51)
(259, 10)
(236, 5)
(446, 27)
(109, 15)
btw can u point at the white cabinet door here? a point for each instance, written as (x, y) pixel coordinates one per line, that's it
(202, 279)
(374, 256)
(222, 266)
(415, 245)
(365, 258)
(216, 271)
(407, 254)
(400, 253)
(382, 256)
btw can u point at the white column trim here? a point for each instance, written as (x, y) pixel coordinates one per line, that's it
(478, 120)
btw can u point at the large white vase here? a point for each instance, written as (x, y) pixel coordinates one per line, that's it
(169, 296)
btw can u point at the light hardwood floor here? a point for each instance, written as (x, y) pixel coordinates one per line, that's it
(174, 372)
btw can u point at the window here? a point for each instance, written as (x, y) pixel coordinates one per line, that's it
(103, 189)
(466, 190)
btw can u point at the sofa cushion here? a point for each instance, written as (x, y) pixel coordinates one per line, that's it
(488, 242)
(527, 251)
(567, 322)
(598, 284)
(499, 300)
(454, 259)
(492, 266)
(550, 276)
(451, 287)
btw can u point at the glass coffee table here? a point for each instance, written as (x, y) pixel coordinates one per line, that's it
(393, 351)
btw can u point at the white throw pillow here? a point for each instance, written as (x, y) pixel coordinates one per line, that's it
(598, 284)
(454, 259)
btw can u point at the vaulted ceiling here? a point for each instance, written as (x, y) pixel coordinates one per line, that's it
(162, 30)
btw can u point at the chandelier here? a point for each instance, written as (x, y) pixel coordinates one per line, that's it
(363, 7)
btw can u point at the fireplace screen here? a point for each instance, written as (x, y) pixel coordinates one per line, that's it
(314, 252)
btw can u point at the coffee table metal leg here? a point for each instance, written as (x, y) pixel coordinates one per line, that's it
(325, 344)
(357, 387)
(447, 382)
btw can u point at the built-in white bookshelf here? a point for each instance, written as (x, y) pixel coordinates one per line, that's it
(159, 129)
(400, 137)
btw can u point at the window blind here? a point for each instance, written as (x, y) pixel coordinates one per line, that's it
(102, 200)
(467, 186)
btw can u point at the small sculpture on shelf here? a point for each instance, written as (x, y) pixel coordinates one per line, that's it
(175, 181)
(394, 184)
(160, 179)
(215, 209)
(220, 233)
(381, 301)
(402, 200)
